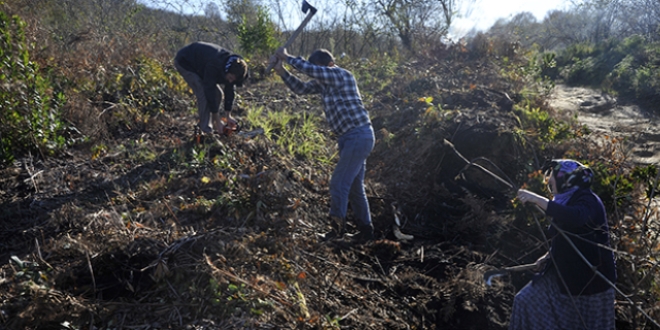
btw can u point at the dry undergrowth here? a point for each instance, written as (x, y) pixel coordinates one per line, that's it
(144, 227)
(146, 234)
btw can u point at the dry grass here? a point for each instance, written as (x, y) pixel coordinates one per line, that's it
(142, 227)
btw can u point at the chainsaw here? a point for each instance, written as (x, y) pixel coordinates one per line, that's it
(232, 128)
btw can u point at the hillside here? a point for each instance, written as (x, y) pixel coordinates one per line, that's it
(139, 224)
(145, 235)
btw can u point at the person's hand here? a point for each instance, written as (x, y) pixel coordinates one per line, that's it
(226, 125)
(277, 64)
(279, 68)
(526, 196)
(541, 262)
(272, 60)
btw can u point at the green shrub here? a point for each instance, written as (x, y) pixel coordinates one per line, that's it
(297, 133)
(30, 119)
(542, 125)
(257, 38)
(628, 67)
(590, 65)
(637, 75)
(148, 88)
(134, 94)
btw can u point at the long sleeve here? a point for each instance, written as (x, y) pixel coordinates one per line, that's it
(585, 221)
(230, 94)
(342, 102)
(299, 87)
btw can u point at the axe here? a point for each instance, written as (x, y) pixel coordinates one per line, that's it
(306, 7)
(489, 275)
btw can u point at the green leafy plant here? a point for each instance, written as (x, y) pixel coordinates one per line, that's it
(648, 175)
(297, 133)
(541, 124)
(30, 112)
(625, 67)
(258, 37)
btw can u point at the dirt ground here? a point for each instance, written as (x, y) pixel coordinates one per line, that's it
(126, 242)
(606, 115)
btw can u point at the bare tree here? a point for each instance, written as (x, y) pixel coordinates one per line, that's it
(212, 10)
(642, 17)
(622, 18)
(415, 21)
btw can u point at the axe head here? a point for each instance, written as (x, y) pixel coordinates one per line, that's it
(491, 274)
(306, 6)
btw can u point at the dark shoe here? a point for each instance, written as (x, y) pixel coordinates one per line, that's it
(328, 236)
(338, 225)
(365, 234)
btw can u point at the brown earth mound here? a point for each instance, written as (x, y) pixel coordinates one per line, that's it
(151, 236)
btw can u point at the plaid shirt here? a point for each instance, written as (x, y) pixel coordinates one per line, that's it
(342, 102)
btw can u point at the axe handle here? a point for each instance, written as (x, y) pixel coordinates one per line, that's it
(499, 272)
(294, 35)
(520, 268)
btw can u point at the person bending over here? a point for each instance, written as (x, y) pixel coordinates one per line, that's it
(204, 66)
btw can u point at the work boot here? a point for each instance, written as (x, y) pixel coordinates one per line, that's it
(365, 234)
(338, 226)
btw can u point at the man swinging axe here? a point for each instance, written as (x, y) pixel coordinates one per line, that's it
(349, 120)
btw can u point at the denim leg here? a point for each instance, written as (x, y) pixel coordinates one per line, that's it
(357, 197)
(347, 181)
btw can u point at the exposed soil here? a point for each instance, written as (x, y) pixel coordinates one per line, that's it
(606, 115)
(157, 241)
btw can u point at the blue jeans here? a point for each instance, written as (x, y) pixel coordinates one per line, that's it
(347, 183)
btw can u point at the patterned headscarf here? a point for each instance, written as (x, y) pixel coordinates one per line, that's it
(569, 173)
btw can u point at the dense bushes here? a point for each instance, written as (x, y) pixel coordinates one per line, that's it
(30, 107)
(628, 67)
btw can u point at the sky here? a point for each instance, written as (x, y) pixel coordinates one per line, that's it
(480, 14)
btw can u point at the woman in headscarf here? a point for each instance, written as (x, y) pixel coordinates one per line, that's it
(573, 289)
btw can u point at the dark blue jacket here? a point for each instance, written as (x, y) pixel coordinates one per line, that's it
(208, 62)
(584, 216)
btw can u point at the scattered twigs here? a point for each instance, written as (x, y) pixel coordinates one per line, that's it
(171, 212)
(225, 273)
(647, 213)
(31, 174)
(41, 258)
(469, 163)
(91, 271)
(348, 314)
(163, 255)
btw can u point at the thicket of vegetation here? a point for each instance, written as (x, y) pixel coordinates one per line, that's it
(95, 78)
(609, 45)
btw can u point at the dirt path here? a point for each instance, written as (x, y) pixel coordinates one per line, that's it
(602, 113)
